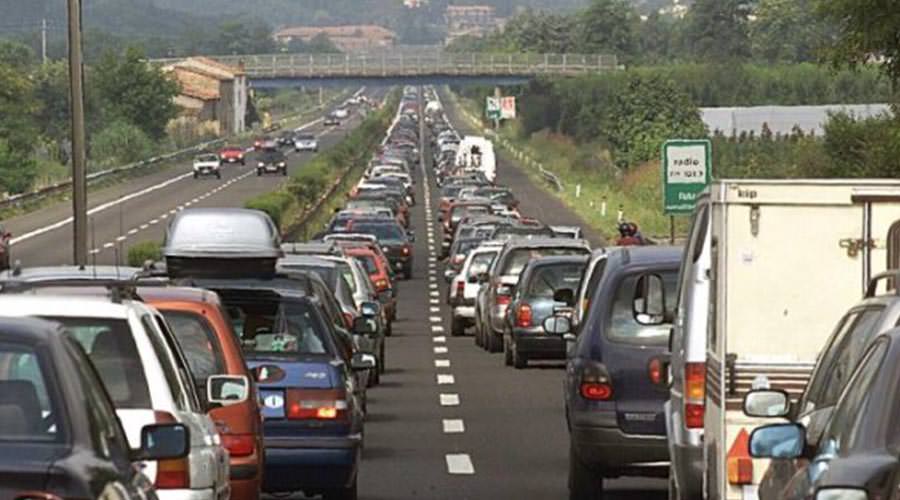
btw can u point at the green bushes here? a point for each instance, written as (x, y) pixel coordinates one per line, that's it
(120, 143)
(140, 253)
(275, 204)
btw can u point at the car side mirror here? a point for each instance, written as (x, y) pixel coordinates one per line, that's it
(649, 303)
(558, 325)
(565, 295)
(767, 403)
(163, 442)
(370, 309)
(227, 390)
(778, 441)
(361, 362)
(363, 326)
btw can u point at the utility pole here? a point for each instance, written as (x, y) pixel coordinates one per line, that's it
(44, 40)
(76, 108)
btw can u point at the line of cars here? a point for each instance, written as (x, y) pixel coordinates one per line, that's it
(236, 366)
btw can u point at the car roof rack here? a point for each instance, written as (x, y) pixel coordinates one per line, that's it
(892, 277)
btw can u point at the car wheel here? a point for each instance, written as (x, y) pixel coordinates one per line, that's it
(348, 493)
(218, 175)
(518, 360)
(389, 329)
(408, 273)
(673, 488)
(258, 172)
(284, 171)
(457, 327)
(584, 484)
(494, 345)
(381, 359)
(243, 163)
(507, 353)
(195, 175)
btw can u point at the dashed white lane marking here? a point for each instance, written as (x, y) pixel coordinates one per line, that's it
(439, 349)
(432, 258)
(94, 251)
(432, 265)
(144, 226)
(431, 248)
(133, 231)
(433, 286)
(453, 426)
(459, 463)
(442, 363)
(434, 301)
(109, 245)
(437, 329)
(121, 238)
(439, 340)
(435, 293)
(173, 211)
(435, 319)
(445, 379)
(154, 221)
(164, 216)
(449, 399)
(432, 272)
(434, 309)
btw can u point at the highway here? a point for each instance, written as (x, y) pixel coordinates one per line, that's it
(448, 421)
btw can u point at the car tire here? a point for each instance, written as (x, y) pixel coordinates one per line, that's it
(389, 329)
(243, 163)
(284, 171)
(507, 353)
(349, 493)
(457, 327)
(519, 361)
(478, 341)
(219, 175)
(408, 273)
(258, 172)
(381, 358)
(584, 483)
(494, 345)
(195, 175)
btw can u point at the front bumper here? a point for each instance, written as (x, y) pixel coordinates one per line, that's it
(206, 171)
(311, 464)
(232, 160)
(599, 442)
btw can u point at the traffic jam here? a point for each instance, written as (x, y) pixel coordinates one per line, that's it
(240, 365)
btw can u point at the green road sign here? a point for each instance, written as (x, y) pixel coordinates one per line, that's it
(492, 108)
(687, 170)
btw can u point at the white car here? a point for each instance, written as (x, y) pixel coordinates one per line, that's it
(306, 142)
(147, 378)
(207, 164)
(341, 113)
(464, 286)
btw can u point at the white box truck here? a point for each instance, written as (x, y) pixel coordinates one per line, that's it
(477, 153)
(788, 258)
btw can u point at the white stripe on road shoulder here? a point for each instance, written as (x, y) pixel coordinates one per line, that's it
(442, 363)
(444, 379)
(439, 349)
(440, 340)
(449, 399)
(454, 426)
(459, 463)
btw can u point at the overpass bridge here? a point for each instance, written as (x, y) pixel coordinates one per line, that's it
(284, 70)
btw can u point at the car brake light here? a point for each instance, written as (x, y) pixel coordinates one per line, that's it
(406, 250)
(694, 394)
(171, 474)
(655, 371)
(524, 316)
(460, 289)
(239, 445)
(314, 404)
(740, 464)
(596, 384)
(503, 300)
(381, 284)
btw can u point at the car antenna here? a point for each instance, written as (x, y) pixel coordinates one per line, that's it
(93, 248)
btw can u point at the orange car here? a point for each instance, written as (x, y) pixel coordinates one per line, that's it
(204, 332)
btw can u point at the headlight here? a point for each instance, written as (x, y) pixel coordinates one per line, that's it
(281, 164)
(261, 164)
(841, 494)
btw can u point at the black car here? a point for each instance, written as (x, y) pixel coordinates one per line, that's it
(858, 456)
(58, 428)
(272, 162)
(393, 240)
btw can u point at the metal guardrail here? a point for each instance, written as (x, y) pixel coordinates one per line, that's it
(398, 64)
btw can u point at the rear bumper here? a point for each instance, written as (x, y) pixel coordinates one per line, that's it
(207, 494)
(464, 312)
(310, 464)
(616, 452)
(539, 345)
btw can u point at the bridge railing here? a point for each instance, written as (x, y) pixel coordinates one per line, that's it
(405, 64)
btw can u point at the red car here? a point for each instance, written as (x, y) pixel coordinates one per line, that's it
(232, 154)
(376, 264)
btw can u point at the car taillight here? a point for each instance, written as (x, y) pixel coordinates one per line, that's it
(460, 289)
(596, 384)
(313, 404)
(406, 250)
(239, 445)
(694, 394)
(381, 284)
(524, 316)
(655, 371)
(171, 474)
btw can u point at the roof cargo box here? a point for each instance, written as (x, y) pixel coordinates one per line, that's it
(221, 243)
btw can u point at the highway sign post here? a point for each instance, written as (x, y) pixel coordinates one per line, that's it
(687, 170)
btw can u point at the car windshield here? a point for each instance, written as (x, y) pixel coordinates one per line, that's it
(269, 324)
(623, 327)
(519, 257)
(306, 137)
(207, 158)
(110, 345)
(26, 407)
(384, 232)
(272, 156)
(547, 279)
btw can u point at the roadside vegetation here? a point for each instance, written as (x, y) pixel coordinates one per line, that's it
(326, 177)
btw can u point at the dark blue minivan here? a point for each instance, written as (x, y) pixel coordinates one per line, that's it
(615, 382)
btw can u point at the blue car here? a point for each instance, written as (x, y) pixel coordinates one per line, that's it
(313, 417)
(615, 385)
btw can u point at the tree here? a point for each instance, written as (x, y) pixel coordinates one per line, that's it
(16, 54)
(656, 38)
(244, 37)
(132, 90)
(786, 31)
(866, 31)
(717, 30)
(607, 26)
(17, 130)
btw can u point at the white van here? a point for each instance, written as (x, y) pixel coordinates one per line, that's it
(476, 153)
(767, 275)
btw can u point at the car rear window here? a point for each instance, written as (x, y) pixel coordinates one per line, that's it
(25, 404)
(518, 258)
(622, 325)
(381, 231)
(198, 342)
(268, 324)
(546, 280)
(110, 345)
(481, 263)
(368, 262)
